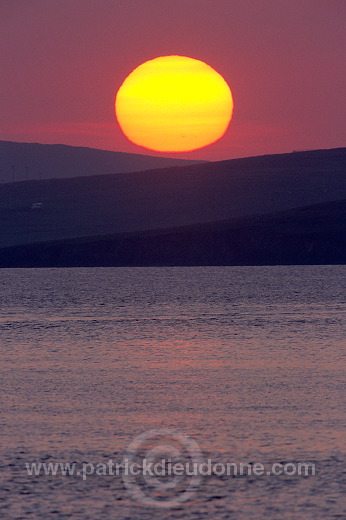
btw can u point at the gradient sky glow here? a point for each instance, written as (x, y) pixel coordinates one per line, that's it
(63, 61)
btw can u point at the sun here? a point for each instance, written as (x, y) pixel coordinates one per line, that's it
(174, 104)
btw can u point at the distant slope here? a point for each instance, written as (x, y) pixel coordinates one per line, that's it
(167, 198)
(311, 235)
(27, 161)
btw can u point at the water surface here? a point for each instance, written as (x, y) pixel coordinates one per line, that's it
(248, 361)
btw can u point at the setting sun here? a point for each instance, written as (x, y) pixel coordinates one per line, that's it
(174, 104)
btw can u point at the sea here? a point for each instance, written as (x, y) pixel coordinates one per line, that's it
(115, 380)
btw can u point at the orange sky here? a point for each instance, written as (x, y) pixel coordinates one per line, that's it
(62, 63)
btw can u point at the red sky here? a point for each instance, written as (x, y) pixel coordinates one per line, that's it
(62, 62)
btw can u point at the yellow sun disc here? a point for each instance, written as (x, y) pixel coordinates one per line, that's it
(174, 104)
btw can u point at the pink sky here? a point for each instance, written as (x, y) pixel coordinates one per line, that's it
(63, 61)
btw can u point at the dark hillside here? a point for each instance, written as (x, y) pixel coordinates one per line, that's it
(310, 235)
(55, 209)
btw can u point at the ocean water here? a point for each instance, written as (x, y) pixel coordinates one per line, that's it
(231, 364)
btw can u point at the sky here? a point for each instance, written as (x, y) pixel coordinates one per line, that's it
(62, 62)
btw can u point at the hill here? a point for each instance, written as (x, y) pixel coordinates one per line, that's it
(28, 161)
(311, 235)
(59, 209)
